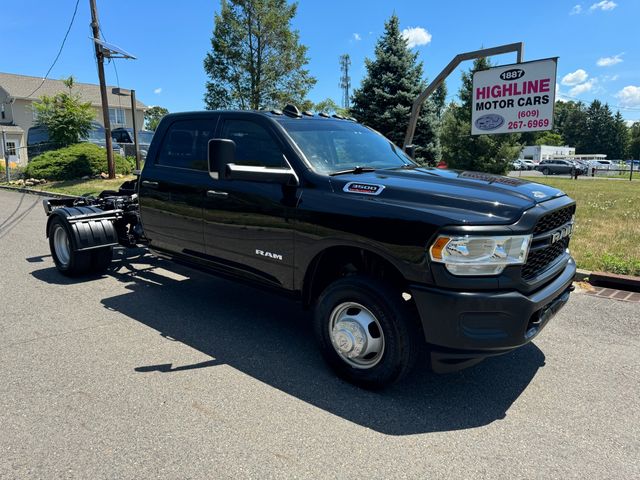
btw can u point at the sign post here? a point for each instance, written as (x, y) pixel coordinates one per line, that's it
(514, 98)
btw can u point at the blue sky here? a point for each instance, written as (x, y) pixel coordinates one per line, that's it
(597, 42)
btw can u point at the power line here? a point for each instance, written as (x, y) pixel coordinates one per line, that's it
(55, 60)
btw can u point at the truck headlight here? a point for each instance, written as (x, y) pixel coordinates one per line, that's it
(480, 255)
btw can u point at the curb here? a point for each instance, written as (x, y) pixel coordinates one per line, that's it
(582, 275)
(42, 193)
(612, 280)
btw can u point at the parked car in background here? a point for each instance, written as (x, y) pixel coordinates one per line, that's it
(529, 164)
(38, 140)
(124, 138)
(636, 164)
(558, 167)
(601, 164)
(518, 165)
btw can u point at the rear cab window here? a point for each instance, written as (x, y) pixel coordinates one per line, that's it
(185, 144)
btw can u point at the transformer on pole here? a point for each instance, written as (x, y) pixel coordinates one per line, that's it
(345, 79)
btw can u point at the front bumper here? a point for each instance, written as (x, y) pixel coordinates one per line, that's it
(462, 327)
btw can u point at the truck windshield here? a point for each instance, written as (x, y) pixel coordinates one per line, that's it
(337, 145)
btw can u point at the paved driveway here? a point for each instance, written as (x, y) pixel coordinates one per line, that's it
(158, 371)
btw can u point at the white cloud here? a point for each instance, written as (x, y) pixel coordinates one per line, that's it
(158, 91)
(609, 61)
(603, 5)
(416, 36)
(357, 37)
(582, 88)
(576, 10)
(575, 78)
(629, 96)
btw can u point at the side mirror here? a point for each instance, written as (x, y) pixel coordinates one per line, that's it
(410, 150)
(222, 152)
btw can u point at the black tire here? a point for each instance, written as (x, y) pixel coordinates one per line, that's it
(402, 335)
(101, 259)
(545, 171)
(71, 264)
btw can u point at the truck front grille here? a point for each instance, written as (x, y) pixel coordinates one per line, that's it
(539, 260)
(554, 220)
(543, 253)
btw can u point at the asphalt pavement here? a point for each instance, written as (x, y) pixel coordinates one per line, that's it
(159, 371)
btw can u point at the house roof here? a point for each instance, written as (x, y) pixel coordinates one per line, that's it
(21, 86)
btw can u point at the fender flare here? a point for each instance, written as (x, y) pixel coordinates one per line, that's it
(90, 227)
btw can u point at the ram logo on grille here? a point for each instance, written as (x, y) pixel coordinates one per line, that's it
(562, 232)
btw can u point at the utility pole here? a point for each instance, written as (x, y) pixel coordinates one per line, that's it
(95, 26)
(6, 157)
(345, 79)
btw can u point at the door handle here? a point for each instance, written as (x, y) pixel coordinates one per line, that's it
(215, 193)
(147, 183)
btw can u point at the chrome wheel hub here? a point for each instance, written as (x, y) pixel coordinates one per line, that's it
(61, 245)
(356, 335)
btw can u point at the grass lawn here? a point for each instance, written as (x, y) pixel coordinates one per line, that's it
(607, 231)
(83, 187)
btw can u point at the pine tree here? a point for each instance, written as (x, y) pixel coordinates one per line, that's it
(256, 60)
(620, 137)
(634, 141)
(392, 83)
(483, 153)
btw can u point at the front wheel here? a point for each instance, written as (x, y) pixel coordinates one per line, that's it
(545, 171)
(367, 333)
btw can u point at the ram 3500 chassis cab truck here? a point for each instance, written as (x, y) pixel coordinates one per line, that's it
(394, 258)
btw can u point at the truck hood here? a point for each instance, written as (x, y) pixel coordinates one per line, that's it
(462, 197)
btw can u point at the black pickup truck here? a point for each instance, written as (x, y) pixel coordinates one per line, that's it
(394, 258)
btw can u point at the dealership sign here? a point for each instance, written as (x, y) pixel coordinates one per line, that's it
(514, 98)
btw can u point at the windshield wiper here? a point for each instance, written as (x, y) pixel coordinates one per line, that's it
(356, 169)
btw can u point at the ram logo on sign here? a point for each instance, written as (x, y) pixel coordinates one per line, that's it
(514, 98)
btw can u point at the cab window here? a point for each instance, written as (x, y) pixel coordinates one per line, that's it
(254, 145)
(185, 145)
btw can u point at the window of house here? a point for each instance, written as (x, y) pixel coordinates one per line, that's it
(11, 148)
(116, 116)
(186, 145)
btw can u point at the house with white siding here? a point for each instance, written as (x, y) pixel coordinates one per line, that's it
(17, 115)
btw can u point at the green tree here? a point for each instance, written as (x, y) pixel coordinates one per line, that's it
(256, 60)
(634, 140)
(620, 138)
(460, 149)
(66, 117)
(549, 138)
(571, 123)
(600, 129)
(152, 117)
(440, 99)
(392, 83)
(329, 106)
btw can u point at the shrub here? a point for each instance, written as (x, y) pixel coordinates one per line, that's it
(73, 162)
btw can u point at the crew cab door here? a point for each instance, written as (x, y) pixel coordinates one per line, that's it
(247, 225)
(173, 185)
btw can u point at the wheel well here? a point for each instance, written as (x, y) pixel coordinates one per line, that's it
(337, 262)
